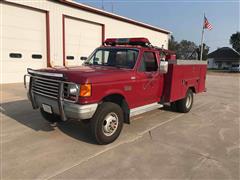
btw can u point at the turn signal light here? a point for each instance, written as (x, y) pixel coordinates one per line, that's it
(85, 90)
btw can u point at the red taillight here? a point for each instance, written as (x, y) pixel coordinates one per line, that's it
(127, 41)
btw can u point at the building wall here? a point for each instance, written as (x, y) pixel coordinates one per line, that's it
(113, 28)
(223, 64)
(211, 64)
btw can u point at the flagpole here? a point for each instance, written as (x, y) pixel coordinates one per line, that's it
(201, 52)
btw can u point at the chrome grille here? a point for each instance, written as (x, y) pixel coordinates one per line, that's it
(50, 88)
(46, 87)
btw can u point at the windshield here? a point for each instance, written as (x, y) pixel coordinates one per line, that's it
(115, 57)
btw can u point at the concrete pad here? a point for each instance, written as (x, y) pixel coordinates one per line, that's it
(161, 144)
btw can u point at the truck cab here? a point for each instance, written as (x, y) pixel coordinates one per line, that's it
(122, 78)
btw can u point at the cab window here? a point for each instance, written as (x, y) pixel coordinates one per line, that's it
(148, 62)
(115, 57)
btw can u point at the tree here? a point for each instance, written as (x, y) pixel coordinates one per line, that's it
(172, 44)
(235, 41)
(205, 51)
(185, 50)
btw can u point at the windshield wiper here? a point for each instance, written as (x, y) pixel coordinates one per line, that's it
(87, 63)
(119, 66)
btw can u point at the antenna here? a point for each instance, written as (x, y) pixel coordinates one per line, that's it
(102, 5)
(112, 6)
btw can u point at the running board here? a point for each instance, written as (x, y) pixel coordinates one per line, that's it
(143, 109)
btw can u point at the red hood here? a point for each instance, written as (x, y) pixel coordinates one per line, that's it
(92, 74)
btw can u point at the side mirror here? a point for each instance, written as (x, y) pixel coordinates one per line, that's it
(163, 67)
(83, 58)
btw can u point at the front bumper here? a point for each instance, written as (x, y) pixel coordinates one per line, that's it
(70, 110)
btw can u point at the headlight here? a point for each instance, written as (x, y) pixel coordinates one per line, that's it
(73, 89)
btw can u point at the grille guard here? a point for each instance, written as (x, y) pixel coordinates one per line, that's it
(60, 99)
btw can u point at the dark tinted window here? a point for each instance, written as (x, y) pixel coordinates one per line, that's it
(126, 58)
(123, 58)
(37, 56)
(15, 55)
(149, 62)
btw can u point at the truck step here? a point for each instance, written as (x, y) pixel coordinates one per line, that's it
(145, 108)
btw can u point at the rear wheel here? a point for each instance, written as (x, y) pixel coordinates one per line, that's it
(52, 118)
(107, 123)
(184, 105)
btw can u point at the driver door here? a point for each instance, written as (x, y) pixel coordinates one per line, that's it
(148, 79)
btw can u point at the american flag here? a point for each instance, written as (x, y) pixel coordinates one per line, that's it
(206, 24)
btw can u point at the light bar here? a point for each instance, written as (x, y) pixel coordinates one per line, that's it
(127, 41)
(30, 71)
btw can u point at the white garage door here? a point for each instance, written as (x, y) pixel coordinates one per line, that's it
(81, 38)
(23, 42)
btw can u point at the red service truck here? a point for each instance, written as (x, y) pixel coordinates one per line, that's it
(122, 78)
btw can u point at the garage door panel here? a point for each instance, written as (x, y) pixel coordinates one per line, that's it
(23, 45)
(79, 43)
(21, 14)
(23, 32)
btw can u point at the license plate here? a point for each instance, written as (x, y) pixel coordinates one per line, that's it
(47, 108)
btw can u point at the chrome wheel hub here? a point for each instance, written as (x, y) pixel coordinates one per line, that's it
(189, 101)
(110, 124)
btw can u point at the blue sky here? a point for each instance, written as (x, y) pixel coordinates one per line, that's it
(183, 18)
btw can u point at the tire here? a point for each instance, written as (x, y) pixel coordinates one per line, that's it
(173, 106)
(185, 105)
(107, 123)
(52, 118)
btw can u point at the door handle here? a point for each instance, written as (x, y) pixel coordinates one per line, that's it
(149, 76)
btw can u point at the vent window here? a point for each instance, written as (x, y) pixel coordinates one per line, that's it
(15, 55)
(37, 56)
(70, 57)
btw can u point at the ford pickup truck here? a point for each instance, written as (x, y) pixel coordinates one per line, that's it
(120, 79)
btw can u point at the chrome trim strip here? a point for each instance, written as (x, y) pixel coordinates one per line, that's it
(45, 89)
(44, 95)
(46, 82)
(42, 91)
(45, 73)
(46, 86)
(145, 108)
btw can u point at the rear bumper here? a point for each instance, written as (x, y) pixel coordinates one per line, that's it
(70, 110)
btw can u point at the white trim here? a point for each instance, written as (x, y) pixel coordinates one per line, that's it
(45, 73)
(113, 14)
(145, 108)
(186, 62)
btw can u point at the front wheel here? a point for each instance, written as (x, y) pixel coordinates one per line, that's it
(184, 105)
(107, 123)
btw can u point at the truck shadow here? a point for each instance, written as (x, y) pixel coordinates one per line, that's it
(169, 108)
(77, 130)
(22, 112)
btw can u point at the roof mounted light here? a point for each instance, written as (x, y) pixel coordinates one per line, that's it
(127, 41)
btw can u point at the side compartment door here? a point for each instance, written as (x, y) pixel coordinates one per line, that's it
(148, 79)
